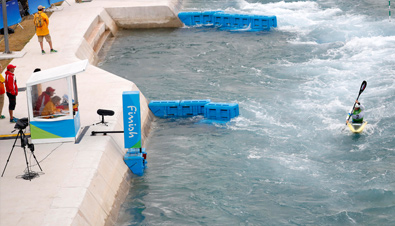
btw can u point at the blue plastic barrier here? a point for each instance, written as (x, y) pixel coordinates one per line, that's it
(164, 108)
(221, 111)
(187, 18)
(193, 107)
(135, 159)
(13, 14)
(217, 20)
(197, 18)
(228, 21)
(273, 21)
(260, 23)
(33, 4)
(185, 108)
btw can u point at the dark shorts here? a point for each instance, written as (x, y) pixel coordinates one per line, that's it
(12, 100)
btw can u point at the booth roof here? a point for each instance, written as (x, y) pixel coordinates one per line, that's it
(57, 72)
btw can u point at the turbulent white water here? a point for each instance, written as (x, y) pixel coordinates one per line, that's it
(288, 159)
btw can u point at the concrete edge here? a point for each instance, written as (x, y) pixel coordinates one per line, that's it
(105, 212)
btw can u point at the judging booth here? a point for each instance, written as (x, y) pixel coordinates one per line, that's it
(53, 103)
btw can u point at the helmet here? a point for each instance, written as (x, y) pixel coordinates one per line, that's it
(357, 106)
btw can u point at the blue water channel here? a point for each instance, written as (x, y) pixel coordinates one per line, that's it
(288, 159)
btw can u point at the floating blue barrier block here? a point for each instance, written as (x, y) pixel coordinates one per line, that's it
(135, 159)
(245, 21)
(188, 17)
(240, 21)
(274, 21)
(165, 108)
(208, 17)
(197, 18)
(217, 20)
(236, 21)
(260, 23)
(193, 107)
(221, 111)
(228, 21)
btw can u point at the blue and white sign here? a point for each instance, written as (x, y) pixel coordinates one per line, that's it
(131, 119)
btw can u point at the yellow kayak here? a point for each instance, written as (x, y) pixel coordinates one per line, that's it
(357, 127)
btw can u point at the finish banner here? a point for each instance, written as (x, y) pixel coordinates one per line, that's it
(131, 119)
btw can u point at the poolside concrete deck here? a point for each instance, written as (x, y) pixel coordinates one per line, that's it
(85, 183)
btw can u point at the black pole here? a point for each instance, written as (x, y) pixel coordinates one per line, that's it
(5, 23)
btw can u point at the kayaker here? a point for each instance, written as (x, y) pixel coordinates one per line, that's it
(358, 113)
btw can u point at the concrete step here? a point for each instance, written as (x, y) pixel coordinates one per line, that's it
(95, 33)
(101, 41)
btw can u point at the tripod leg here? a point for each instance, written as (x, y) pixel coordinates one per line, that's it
(10, 154)
(27, 164)
(36, 161)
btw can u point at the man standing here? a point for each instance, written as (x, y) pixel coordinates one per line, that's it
(12, 90)
(41, 22)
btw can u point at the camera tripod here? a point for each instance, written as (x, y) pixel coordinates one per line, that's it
(24, 142)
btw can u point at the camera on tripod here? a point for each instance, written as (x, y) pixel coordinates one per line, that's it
(22, 123)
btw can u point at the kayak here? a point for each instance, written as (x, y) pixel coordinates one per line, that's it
(357, 127)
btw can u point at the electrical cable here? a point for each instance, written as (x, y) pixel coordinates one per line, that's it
(47, 155)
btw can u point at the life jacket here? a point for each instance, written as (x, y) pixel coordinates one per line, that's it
(357, 116)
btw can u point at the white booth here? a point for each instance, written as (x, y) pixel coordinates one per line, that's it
(53, 103)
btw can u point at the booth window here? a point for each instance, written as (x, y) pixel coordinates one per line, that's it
(50, 99)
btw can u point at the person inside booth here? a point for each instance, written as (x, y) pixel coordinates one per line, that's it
(50, 108)
(42, 100)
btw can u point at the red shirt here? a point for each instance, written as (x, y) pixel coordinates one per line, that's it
(10, 83)
(42, 100)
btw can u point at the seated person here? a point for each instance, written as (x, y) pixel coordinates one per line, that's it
(358, 113)
(50, 107)
(42, 100)
(65, 103)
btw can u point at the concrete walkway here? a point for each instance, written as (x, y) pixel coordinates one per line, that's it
(85, 183)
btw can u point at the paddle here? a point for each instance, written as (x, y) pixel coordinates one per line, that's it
(363, 86)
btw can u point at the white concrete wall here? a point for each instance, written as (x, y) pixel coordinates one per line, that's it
(144, 17)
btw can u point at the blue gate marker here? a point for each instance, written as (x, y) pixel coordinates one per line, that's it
(131, 119)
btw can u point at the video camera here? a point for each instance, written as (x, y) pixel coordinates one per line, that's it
(22, 123)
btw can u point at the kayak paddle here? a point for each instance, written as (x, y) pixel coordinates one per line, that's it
(363, 86)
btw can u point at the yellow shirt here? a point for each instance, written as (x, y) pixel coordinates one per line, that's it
(2, 80)
(49, 109)
(42, 31)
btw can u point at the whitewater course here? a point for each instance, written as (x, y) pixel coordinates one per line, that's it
(82, 184)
